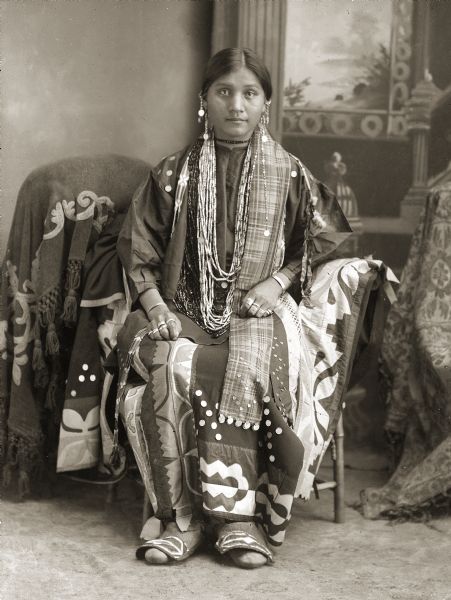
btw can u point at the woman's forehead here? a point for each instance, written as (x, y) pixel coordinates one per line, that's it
(241, 77)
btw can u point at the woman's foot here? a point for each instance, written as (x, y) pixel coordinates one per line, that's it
(247, 559)
(245, 543)
(172, 545)
(156, 557)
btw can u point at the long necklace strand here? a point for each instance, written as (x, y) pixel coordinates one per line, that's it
(210, 270)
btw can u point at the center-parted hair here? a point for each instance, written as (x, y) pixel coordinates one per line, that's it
(232, 59)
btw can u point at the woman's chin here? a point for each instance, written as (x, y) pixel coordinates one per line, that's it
(234, 132)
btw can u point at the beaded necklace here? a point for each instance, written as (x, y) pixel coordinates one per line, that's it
(232, 141)
(210, 270)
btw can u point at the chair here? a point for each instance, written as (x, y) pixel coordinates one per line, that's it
(61, 185)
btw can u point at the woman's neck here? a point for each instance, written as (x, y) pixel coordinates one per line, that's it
(232, 143)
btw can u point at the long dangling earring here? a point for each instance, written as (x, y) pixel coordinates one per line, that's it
(264, 120)
(206, 128)
(262, 139)
(202, 113)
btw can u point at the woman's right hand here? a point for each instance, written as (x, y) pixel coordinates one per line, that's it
(164, 324)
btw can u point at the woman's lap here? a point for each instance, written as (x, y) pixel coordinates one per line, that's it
(200, 463)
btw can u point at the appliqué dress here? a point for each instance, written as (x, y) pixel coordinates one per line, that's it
(193, 459)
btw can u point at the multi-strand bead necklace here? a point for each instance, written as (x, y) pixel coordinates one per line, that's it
(210, 271)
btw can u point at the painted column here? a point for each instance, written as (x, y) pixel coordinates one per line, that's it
(418, 115)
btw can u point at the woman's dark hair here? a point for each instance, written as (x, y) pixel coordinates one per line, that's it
(231, 59)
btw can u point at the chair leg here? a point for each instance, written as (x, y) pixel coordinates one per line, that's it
(339, 473)
(111, 493)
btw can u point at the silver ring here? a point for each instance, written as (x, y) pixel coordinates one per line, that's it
(161, 325)
(250, 301)
(153, 331)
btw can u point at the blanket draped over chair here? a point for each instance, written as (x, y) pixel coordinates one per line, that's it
(60, 211)
(417, 359)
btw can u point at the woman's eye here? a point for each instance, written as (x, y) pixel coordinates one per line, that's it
(251, 93)
(223, 92)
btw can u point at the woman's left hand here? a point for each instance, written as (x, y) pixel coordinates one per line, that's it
(262, 299)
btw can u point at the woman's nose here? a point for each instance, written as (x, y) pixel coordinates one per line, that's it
(236, 103)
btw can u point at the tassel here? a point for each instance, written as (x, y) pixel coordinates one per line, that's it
(73, 281)
(52, 341)
(70, 308)
(73, 275)
(47, 306)
(38, 362)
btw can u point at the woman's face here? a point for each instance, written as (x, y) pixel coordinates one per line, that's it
(235, 103)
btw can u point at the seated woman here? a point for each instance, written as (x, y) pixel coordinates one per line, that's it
(211, 243)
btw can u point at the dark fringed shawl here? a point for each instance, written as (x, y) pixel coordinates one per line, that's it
(60, 211)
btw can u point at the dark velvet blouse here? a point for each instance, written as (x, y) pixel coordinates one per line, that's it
(152, 258)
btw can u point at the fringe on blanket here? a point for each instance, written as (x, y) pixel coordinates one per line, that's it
(26, 457)
(38, 363)
(438, 506)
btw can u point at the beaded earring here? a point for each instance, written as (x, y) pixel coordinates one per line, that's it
(264, 119)
(263, 123)
(263, 138)
(202, 113)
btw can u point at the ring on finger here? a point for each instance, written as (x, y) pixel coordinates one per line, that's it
(171, 321)
(250, 301)
(161, 325)
(153, 331)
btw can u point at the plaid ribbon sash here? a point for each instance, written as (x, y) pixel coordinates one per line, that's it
(246, 379)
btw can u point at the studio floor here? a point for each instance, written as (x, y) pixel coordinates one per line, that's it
(74, 546)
